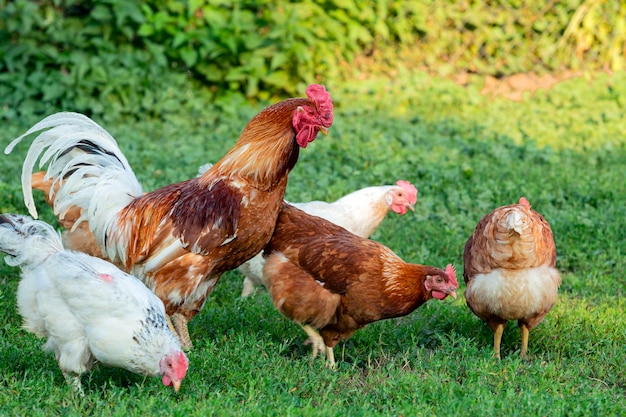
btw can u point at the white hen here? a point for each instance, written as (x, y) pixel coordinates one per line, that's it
(359, 212)
(87, 308)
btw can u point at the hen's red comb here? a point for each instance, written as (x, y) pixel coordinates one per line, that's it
(323, 103)
(524, 202)
(451, 273)
(409, 188)
(182, 365)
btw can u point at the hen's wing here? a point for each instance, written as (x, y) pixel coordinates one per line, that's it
(112, 306)
(334, 256)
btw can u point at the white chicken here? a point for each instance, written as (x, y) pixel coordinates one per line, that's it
(87, 308)
(359, 212)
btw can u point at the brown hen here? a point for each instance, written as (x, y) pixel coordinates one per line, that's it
(509, 270)
(323, 277)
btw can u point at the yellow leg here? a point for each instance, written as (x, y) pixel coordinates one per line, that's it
(248, 287)
(497, 339)
(317, 343)
(330, 358)
(525, 333)
(315, 340)
(168, 320)
(180, 325)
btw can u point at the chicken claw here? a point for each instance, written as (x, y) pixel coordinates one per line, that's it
(318, 346)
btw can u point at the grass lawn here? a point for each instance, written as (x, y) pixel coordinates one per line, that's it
(565, 150)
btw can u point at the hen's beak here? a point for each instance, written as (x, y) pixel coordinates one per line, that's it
(176, 384)
(452, 293)
(323, 130)
(411, 206)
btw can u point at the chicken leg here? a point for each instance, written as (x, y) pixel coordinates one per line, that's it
(525, 332)
(497, 339)
(179, 322)
(317, 344)
(168, 320)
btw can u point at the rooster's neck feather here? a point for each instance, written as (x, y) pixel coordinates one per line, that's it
(266, 150)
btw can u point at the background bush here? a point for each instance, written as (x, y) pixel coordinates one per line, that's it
(157, 56)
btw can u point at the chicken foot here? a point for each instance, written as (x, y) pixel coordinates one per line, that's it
(73, 380)
(318, 346)
(179, 322)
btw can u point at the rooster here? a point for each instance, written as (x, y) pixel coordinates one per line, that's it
(509, 270)
(359, 212)
(323, 277)
(87, 308)
(178, 239)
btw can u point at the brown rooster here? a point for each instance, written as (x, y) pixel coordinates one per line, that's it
(178, 239)
(322, 276)
(509, 270)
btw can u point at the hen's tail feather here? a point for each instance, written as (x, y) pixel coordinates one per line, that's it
(513, 238)
(27, 242)
(86, 167)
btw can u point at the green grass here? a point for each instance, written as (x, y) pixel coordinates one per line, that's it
(565, 150)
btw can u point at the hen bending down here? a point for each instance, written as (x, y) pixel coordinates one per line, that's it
(87, 308)
(359, 212)
(322, 276)
(178, 239)
(509, 270)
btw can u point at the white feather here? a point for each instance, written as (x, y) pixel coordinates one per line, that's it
(98, 181)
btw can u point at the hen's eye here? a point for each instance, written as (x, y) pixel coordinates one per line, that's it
(439, 279)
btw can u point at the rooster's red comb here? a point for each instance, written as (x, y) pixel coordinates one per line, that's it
(451, 273)
(323, 103)
(410, 189)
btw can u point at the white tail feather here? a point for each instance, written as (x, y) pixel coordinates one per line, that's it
(85, 162)
(27, 242)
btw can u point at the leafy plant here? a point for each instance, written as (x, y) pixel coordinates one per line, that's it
(132, 57)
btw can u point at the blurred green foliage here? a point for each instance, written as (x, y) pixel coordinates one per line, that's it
(157, 56)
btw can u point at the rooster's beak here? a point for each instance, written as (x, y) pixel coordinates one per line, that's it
(411, 206)
(323, 130)
(176, 384)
